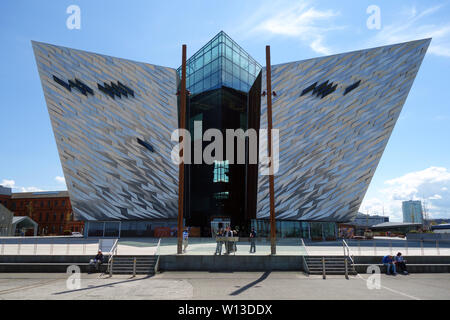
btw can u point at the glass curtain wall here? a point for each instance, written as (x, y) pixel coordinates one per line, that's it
(296, 229)
(221, 62)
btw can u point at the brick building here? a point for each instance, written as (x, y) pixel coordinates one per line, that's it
(51, 210)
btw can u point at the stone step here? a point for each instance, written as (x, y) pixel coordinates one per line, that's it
(334, 265)
(125, 264)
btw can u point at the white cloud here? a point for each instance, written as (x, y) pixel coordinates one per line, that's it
(8, 183)
(30, 189)
(12, 184)
(412, 24)
(300, 20)
(60, 179)
(317, 46)
(430, 185)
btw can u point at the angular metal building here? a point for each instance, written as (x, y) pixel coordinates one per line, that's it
(335, 115)
(113, 119)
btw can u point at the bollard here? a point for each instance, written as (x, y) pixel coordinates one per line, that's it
(346, 268)
(134, 267)
(111, 267)
(324, 275)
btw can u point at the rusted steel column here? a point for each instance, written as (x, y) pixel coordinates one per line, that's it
(273, 233)
(181, 141)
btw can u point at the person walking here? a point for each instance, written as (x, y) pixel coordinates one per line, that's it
(253, 241)
(219, 243)
(185, 239)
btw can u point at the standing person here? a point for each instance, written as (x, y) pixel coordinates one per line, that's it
(235, 233)
(388, 261)
(253, 241)
(185, 239)
(401, 263)
(228, 244)
(219, 243)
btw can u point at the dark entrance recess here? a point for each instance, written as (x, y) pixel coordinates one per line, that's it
(224, 83)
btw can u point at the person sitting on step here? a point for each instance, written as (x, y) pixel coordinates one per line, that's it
(401, 263)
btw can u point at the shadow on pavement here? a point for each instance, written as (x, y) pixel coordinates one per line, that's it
(103, 285)
(251, 284)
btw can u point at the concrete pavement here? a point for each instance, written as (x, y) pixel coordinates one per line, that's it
(224, 286)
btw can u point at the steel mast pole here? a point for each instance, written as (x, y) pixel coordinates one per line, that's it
(273, 233)
(182, 142)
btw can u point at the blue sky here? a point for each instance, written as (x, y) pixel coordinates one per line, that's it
(416, 162)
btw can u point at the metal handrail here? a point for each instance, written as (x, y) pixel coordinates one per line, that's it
(157, 253)
(347, 251)
(305, 265)
(112, 252)
(304, 246)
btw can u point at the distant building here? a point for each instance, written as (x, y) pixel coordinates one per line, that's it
(15, 226)
(52, 210)
(412, 211)
(437, 221)
(366, 220)
(441, 228)
(397, 227)
(6, 218)
(5, 196)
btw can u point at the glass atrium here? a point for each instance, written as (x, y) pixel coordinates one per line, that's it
(221, 62)
(224, 92)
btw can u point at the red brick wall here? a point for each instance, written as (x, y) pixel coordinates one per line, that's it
(5, 200)
(53, 215)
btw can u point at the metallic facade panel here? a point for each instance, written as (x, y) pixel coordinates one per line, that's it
(109, 174)
(331, 141)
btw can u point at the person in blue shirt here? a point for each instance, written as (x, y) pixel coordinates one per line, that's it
(185, 239)
(388, 261)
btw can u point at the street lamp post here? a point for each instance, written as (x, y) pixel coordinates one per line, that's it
(273, 234)
(181, 141)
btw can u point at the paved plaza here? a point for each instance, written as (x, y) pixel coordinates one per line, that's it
(223, 286)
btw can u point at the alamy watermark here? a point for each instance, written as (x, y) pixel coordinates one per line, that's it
(73, 282)
(246, 145)
(374, 20)
(74, 20)
(374, 280)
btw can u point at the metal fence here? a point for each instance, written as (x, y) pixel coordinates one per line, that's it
(381, 247)
(73, 246)
(208, 246)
